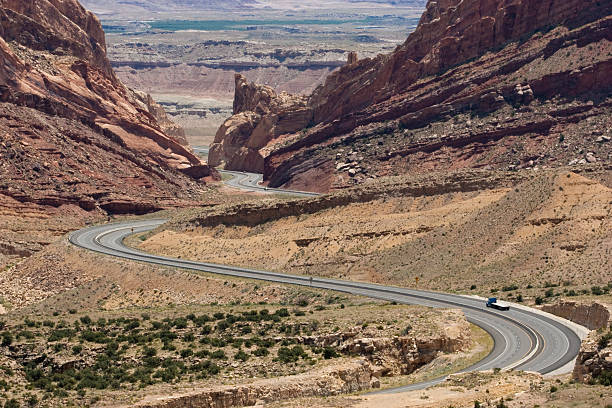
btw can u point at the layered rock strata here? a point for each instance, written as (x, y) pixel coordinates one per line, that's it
(260, 116)
(71, 133)
(480, 83)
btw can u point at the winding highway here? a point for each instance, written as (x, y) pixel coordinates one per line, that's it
(251, 181)
(524, 338)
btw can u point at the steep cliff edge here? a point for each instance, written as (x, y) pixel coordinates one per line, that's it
(480, 84)
(72, 134)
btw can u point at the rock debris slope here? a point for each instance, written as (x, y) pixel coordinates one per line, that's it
(479, 84)
(70, 133)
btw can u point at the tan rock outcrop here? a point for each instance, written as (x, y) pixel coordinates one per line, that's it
(170, 128)
(592, 315)
(351, 377)
(260, 116)
(592, 359)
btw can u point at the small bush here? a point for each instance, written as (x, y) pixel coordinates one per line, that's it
(241, 355)
(553, 388)
(329, 352)
(7, 339)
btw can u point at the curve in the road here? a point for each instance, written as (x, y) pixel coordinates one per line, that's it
(523, 338)
(251, 181)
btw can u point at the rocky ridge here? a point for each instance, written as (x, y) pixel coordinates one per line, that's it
(260, 116)
(72, 134)
(480, 83)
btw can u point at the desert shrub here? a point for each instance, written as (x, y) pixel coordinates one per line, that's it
(76, 350)
(12, 403)
(131, 325)
(86, 320)
(7, 339)
(149, 352)
(605, 378)
(597, 291)
(510, 288)
(189, 337)
(539, 300)
(604, 340)
(201, 320)
(261, 352)
(186, 353)
(218, 354)
(291, 355)
(206, 330)
(241, 355)
(553, 388)
(180, 323)
(223, 325)
(282, 312)
(217, 342)
(95, 337)
(219, 316)
(329, 352)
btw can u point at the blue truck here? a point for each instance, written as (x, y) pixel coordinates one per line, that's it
(492, 302)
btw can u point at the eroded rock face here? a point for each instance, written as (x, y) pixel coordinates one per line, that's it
(168, 127)
(480, 83)
(71, 133)
(352, 377)
(593, 316)
(260, 116)
(592, 359)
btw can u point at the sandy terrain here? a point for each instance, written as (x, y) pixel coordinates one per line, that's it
(553, 228)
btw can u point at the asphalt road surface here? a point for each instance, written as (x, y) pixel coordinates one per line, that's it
(524, 339)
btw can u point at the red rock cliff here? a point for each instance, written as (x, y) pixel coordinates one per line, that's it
(480, 83)
(64, 112)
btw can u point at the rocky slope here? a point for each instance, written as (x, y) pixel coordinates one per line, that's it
(480, 83)
(515, 233)
(72, 134)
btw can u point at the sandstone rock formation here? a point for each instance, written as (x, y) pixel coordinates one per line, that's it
(168, 127)
(71, 133)
(260, 116)
(593, 316)
(480, 83)
(593, 359)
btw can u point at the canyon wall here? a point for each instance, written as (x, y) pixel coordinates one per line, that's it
(72, 133)
(480, 83)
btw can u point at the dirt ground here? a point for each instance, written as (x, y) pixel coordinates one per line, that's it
(554, 230)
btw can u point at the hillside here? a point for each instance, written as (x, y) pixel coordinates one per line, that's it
(76, 144)
(479, 84)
